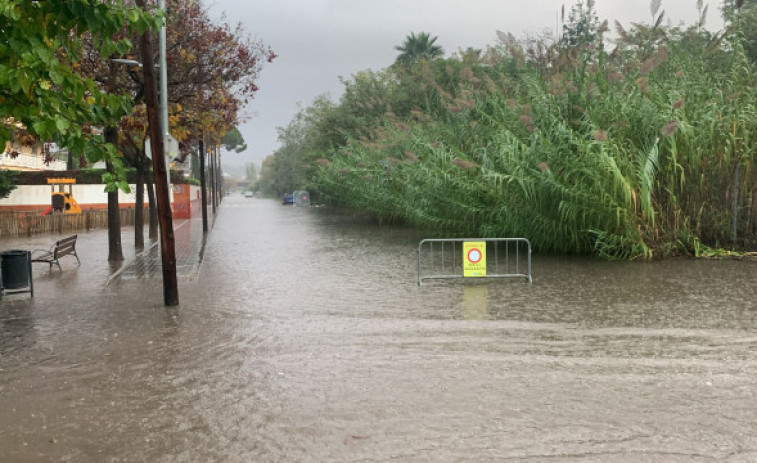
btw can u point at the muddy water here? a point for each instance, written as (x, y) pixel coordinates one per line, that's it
(306, 339)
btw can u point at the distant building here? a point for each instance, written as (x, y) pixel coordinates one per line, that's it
(31, 158)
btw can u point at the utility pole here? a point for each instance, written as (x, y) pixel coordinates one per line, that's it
(157, 136)
(163, 68)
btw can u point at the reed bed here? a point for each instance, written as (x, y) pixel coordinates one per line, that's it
(641, 152)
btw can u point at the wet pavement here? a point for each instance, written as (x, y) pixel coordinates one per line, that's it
(302, 336)
(189, 246)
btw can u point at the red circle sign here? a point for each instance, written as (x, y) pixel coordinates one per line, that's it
(474, 256)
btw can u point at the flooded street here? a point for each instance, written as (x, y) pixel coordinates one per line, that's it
(305, 338)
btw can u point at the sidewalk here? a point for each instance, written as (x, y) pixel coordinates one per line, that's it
(96, 272)
(189, 245)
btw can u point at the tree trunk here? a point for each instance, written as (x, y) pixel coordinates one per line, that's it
(139, 206)
(212, 174)
(203, 188)
(167, 238)
(115, 252)
(221, 186)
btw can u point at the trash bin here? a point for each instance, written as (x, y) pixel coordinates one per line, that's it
(14, 266)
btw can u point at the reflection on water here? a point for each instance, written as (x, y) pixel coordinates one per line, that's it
(475, 302)
(16, 330)
(306, 338)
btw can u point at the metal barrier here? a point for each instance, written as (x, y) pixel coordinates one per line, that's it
(440, 259)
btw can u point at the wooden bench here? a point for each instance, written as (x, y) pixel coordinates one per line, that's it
(63, 247)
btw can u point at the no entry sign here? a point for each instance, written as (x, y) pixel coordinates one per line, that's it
(474, 259)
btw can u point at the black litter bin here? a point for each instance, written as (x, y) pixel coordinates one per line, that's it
(15, 267)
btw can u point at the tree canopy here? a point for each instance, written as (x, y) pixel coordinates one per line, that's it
(42, 94)
(234, 141)
(418, 47)
(59, 82)
(214, 67)
(582, 26)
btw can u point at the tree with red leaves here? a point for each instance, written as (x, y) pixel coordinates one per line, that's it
(213, 69)
(212, 73)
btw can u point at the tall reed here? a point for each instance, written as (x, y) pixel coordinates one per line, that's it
(642, 153)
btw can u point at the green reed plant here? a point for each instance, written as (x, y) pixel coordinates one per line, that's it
(638, 154)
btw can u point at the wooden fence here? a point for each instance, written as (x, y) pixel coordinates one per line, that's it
(18, 224)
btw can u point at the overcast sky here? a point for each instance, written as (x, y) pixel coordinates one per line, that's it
(319, 40)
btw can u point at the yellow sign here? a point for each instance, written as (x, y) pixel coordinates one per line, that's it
(474, 259)
(56, 181)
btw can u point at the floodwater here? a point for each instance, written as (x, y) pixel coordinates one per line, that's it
(305, 338)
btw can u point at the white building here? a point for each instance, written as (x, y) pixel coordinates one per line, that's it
(31, 158)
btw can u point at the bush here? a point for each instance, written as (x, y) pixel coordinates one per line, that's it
(83, 177)
(7, 182)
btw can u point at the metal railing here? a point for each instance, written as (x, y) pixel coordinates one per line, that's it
(440, 259)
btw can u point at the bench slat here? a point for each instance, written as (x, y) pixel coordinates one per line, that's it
(62, 247)
(62, 251)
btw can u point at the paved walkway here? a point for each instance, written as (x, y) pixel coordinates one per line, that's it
(96, 271)
(189, 243)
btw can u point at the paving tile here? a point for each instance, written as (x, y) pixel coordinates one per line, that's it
(189, 242)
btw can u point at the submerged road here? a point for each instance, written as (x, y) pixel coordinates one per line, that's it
(302, 336)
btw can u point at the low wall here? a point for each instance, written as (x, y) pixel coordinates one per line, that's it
(186, 201)
(36, 198)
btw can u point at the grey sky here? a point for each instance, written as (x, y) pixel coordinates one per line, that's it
(319, 40)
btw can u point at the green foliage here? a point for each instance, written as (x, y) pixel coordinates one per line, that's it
(43, 95)
(7, 182)
(582, 27)
(234, 141)
(192, 181)
(417, 48)
(285, 171)
(742, 20)
(626, 154)
(82, 176)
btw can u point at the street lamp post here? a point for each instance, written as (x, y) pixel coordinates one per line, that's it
(163, 79)
(163, 106)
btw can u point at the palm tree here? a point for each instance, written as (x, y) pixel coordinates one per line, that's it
(416, 48)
